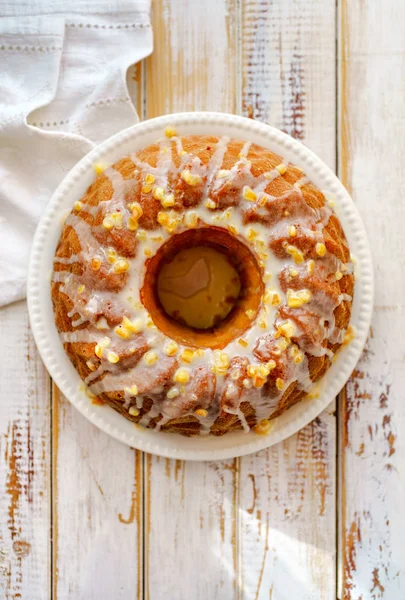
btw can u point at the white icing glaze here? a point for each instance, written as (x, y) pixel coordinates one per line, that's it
(152, 380)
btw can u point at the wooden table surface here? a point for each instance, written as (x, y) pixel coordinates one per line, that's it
(318, 517)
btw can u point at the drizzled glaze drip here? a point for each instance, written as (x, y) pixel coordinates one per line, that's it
(252, 194)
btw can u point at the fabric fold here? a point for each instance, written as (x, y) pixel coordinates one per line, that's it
(62, 90)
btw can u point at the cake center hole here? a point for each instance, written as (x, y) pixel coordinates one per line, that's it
(198, 287)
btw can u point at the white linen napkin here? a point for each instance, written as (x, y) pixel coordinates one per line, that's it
(63, 89)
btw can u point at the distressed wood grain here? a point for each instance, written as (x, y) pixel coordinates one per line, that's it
(97, 510)
(25, 515)
(372, 88)
(287, 497)
(194, 505)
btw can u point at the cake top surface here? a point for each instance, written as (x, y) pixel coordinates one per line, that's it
(241, 191)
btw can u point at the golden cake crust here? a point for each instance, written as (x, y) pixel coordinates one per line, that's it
(170, 188)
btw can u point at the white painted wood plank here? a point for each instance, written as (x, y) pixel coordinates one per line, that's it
(24, 461)
(191, 538)
(97, 510)
(287, 495)
(289, 70)
(191, 508)
(372, 91)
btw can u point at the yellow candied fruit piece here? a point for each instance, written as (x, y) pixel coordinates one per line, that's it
(250, 313)
(91, 365)
(133, 411)
(259, 381)
(150, 323)
(158, 193)
(118, 219)
(111, 255)
(232, 229)
(100, 347)
(263, 370)
(150, 178)
(150, 357)
(252, 370)
(249, 194)
(201, 412)
(190, 178)
(251, 234)
(170, 132)
(181, 376)
(136, 210)
(108, 223)
(338, 275)
(157, 238)
(280, 384)
(113, 220)
(311, 266)
(292, 231)
(221, 362)
(286, 213)
(271, 364)
(147, 252)
(299, 357)
(271, 298)
(267, 277)
(187, 355)
(132, 326)
(243, 343)
(295, 299)
(320, 249)
(263, 200)
(147, 188)
(283, 344)
(210, 204)
(121, 265)
(263, 427)
(122, 332)
(112, 357)
(167, 222)
(133, 390)
(78, 205)
(295, 253)
(281, 168)
(293, 272)
(171, 349)
(262, 323)
(132, 224)
(81, 289)
(95, 264)
(168, 201)
(287, 329)
(191, 219)
(99, 167)
(263, 255)
(141, 235)
(173, 393)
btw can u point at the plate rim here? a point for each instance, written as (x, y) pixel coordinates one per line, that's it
(157, 442)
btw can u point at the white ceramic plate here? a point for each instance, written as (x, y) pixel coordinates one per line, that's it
(40, 306)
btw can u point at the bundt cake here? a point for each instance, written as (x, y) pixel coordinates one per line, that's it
(163, 213)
